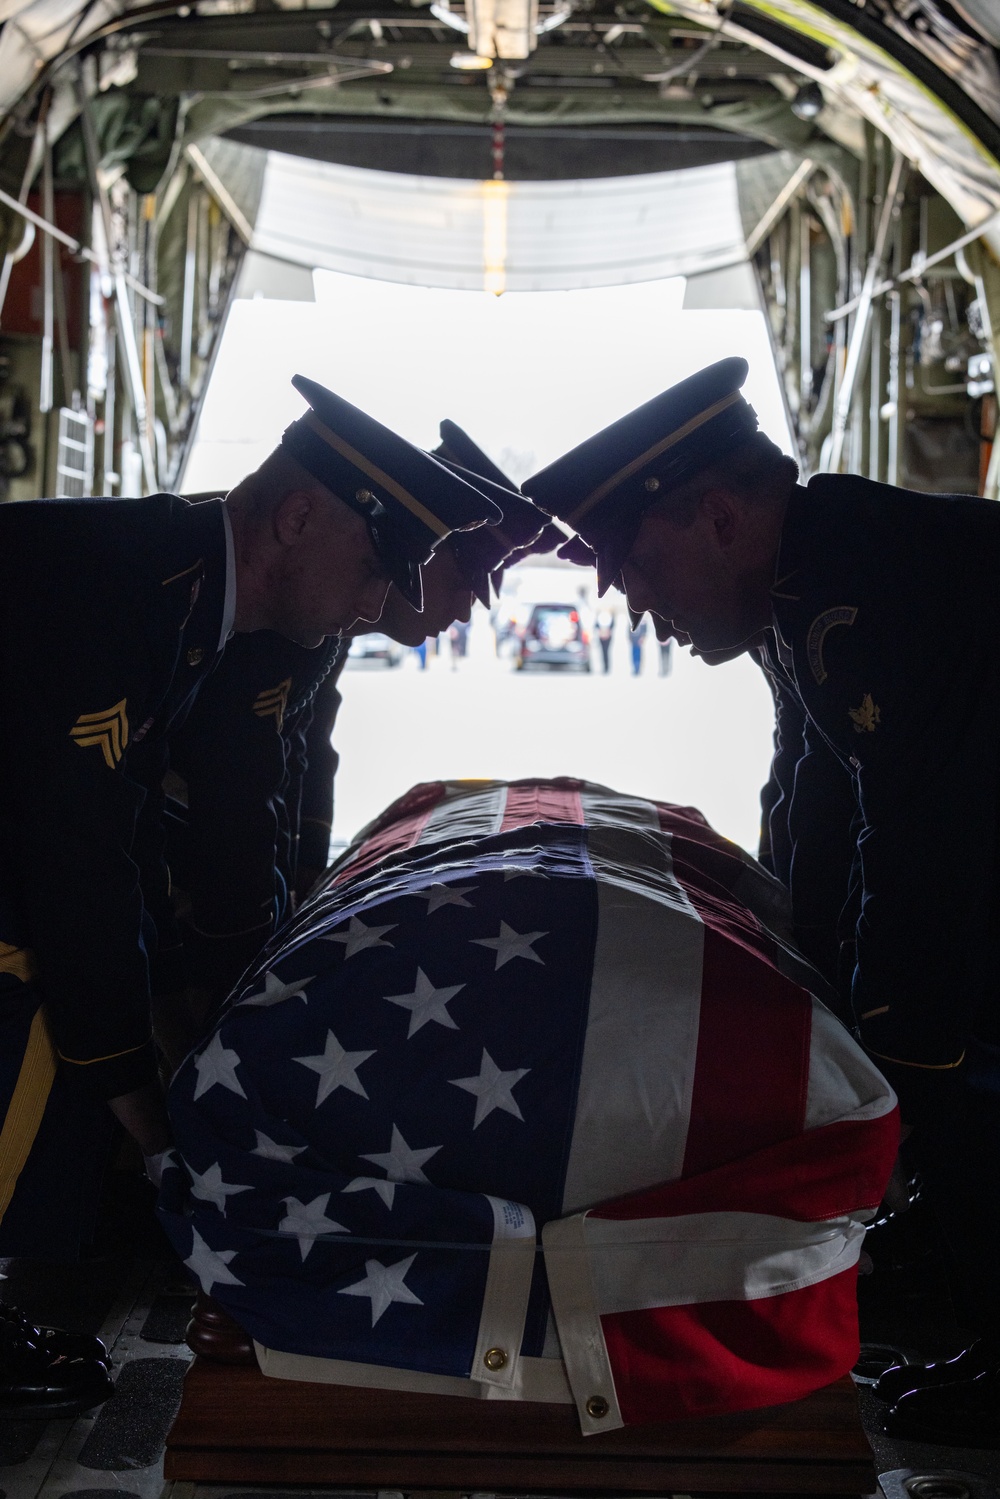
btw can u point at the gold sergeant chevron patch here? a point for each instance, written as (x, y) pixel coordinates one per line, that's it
(108, 730)
(272, 702)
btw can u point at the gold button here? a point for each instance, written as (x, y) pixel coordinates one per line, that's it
(365, 496)
(597, 1407)
(652, 485)
(195, 656)
(494, 1358)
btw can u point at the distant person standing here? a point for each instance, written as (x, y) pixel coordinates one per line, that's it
(458, 636)
(636, 637)
(666, 656)
(605, 636)
(420, 651)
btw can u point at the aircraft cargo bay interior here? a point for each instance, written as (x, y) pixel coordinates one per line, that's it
(571, 425)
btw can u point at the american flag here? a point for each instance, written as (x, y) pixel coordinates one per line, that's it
(533, 1100)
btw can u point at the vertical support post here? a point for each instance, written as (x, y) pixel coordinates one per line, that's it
(190, 277)
(123, 310)
(45, 394)
(895, 391)
(858, 344)
(805, 312)
(111, 476)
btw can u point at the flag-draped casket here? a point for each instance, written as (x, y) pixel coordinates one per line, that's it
(532, 1100)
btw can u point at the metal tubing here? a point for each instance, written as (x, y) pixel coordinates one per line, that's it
(805, 311)
(859, 332)
(45, 395)
(220, 193)
(83, 251)
(762, 229)
(187, 305)
(123, 311)
(111, 477)
(919, 266)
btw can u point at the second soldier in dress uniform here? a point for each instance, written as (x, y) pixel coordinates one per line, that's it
(254, 765)
(878, 612)
(113, 613)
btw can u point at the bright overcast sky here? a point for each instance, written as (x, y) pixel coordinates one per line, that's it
(527, 374)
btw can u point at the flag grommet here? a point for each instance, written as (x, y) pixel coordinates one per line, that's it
(494, 1358)
(597, 1407)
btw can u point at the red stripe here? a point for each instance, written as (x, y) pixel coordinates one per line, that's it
(529, 802)
(397, 829)
(710, 869)
(674, 1363)
(752, 1067)
(823, 1173)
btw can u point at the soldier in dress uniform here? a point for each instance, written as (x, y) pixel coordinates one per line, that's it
(878, 613)
(113, 615)
(257, 766)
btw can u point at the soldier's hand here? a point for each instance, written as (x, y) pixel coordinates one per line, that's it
(179, 1021)
(304, 882)
(143, 1113)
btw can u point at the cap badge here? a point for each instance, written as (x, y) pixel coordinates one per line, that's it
(652, 485)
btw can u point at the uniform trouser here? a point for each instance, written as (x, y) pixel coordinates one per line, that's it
(55, 1136)
(956, 1147)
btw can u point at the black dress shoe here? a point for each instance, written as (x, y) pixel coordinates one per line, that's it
(58, 1342)
(901, 1379)
(36, 1384)
(963, 1414)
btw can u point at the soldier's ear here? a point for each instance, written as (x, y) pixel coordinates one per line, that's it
(721, 510)
(291, 515)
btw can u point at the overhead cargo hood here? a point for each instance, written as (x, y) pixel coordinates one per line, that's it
(499, 236)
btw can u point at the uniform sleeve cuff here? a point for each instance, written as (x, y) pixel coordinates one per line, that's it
(111, 1076)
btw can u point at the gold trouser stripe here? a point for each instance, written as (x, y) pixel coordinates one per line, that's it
(19, 961)
(602, 490)
(407, 500)
(31, 1094)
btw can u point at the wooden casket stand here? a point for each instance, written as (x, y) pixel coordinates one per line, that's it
(235, 1426)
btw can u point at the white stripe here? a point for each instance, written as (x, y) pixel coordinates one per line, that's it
(505, 1300)
(656, 1262)
(634, 1101)
(468, 811)
(538, 1379)
(568, 1263)
(843, 1083)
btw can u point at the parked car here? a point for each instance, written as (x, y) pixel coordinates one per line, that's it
(374, 647)
(554, 636)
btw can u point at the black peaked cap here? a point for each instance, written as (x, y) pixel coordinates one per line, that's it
(602, 487)
(410, 501)
(481, 552)
(458, 446)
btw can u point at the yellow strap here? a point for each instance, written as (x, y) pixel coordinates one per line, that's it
(19, 961)
(922, 1066)
(377, 475)
(24, 1115)
(603, 490)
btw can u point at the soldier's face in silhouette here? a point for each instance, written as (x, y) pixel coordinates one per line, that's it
(327, 575)
(447, 597)
(697, 569)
